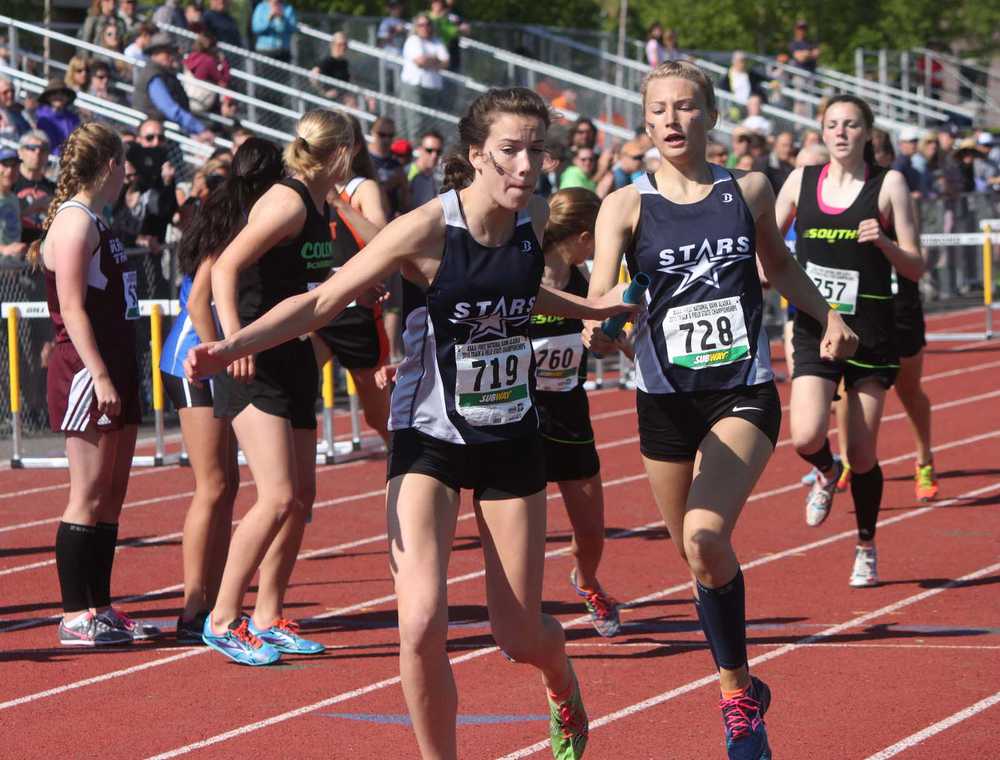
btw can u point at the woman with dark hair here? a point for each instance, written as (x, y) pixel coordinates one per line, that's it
(854, 223)
(209, 440)
(357, 336)
(463, 413)
(707, 407)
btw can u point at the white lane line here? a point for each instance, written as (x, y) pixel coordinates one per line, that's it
(942, 725)
(56, 486)
(243, 730)
(781, 651)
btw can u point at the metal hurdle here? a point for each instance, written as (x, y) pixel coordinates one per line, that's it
(15, 311)
(986, 239)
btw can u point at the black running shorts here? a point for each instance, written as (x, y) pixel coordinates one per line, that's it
(184, 394)
(673, 425)
(564, 422)
(492, 471)
(356, 338)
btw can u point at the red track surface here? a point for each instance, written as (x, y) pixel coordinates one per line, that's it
(914, 663)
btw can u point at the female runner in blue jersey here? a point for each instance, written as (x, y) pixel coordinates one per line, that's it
(462, 410)
(209, 440)
(708, 410)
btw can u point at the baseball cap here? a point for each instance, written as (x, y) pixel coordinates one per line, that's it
(908, 134)
(984, 138)
(401, 147)
(9, 154)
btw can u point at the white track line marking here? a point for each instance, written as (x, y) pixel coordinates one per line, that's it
(942, 725)
(779, 652)
(243, 730)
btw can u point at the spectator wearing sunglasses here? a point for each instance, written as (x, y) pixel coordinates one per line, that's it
(388, 170)
(423, 170)
(581, 172)
(628, 166)
(32, 187)
(101, 13)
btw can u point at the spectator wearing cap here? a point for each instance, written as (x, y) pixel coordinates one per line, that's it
(804, 52)
(985, 171)
(56, 116)
(392, 30)
(402, 150)
(33, 189)
(11, 112)
(755, 120)
(424, 56)
(159, 92)
(100, 14)
(10, 206)
(990, 146)
(423, 170)
(909, 137)
(221, 24)
(205, 63)
(273, 23)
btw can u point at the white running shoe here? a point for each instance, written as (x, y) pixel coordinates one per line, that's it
(820, 497)
(865, 572)
(88, 630)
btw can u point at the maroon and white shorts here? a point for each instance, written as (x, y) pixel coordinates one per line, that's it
(72, 402)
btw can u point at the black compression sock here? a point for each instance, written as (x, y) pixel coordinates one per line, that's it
(107, 540)
(866, 488)
(822, 460)
(74, 563)
(704, 628)
(723, 614)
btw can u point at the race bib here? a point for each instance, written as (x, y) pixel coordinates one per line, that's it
(557, 362)
(838, 286)
(130, 283)
(491, 381)
(707, 334)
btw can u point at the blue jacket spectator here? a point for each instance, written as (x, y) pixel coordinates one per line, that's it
(274, 23)
(56, 116)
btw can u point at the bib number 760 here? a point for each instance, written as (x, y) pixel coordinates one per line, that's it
(490, 368)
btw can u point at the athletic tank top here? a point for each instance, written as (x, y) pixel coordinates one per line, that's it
(855, 278)
(292, 267)
(112, 299)
(702, 327)
(182, 336)
(467, 375)
(560, 358)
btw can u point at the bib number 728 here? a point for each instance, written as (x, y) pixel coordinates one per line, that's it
(706, 328)
(491, 369)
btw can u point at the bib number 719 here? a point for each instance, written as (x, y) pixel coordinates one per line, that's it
(491, 368)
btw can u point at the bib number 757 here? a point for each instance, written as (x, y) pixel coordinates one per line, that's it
(706, 334)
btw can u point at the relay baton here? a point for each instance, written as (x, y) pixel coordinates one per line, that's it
(612, 326)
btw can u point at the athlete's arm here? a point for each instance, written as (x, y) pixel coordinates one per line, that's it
(369, 199)
(785, 274)
(785, 204)
(616, 222)
(559, 303)
(363, 226)
(905, 254)
(199, 303)
(277, 216)
(407, 237)
(71, 239)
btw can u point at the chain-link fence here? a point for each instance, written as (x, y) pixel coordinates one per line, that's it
(20, 283)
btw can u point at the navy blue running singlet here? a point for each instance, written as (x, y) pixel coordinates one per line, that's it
(468, 372)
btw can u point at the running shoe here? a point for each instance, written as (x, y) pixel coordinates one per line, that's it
(602, 608)
(137, 629)
(845, 478)
(189, 631)
(743, 720)
(810, 477)
(284, 636)
(926, 484)
(865, 572)
(821, 497)
(89, 630)
(568, 724)
(238, 644)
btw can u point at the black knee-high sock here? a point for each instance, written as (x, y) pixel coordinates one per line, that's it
(822, 460)
(74, 562)
(704, 628)
(866, 488)
(104, 555)
(723, 616)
